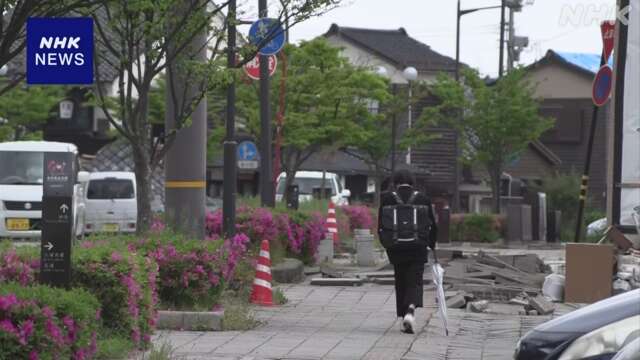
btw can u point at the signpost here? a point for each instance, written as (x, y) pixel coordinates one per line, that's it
(268, 35)
(252, 68)
(247, 156)
(602, 86)
(600, 93)
(57, 219)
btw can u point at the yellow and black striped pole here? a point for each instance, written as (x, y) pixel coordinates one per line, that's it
(584, 184)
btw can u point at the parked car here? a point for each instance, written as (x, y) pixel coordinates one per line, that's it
(21, 178)
(111, 202)
(595, 332)
(310, 186)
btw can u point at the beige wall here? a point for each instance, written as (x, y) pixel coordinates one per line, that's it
(558, 82)
(360, 57)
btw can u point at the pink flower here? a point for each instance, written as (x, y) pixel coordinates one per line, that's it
(116, 257)
(33, 355)
(54, 331)
(7, 326)
(7, 301)
(26, 329)
(47, 312)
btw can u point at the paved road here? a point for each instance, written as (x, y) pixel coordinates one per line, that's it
(355, 323)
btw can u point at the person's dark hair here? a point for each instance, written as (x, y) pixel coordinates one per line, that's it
(386, 184)
(403, 177)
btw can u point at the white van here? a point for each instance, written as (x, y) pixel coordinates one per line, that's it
(310, 185)
(111, 202)
(21, 176)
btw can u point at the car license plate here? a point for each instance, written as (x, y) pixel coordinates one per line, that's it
(110, 228)
(17, 224)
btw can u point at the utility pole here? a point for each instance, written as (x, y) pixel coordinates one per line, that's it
(230, 145)
(502, 25)
(186, 162)
(510, 45)
(458, 16)
(267, 195)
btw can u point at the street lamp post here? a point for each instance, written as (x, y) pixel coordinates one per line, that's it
(459, 15)
(410, 74)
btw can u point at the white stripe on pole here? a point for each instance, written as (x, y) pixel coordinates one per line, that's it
(332, 211)
(264, 254)
(263, 268)
(262, 283)
(332, 230)
(331, 220)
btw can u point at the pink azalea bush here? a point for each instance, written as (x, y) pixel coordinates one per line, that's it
(39, 322)
(192, 273)
(298, 233)
(359, 217)
(123, 282)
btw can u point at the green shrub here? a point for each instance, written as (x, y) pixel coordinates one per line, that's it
(476, 228)
(41, 322)
(123, 282)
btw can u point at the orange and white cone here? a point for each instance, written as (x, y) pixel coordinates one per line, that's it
(261, 293)
(332, 223)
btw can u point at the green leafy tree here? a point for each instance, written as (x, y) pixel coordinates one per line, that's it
(142, 39)
(497, 122)
(326, 102)
(25, 109)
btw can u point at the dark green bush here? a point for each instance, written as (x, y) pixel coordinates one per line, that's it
(475, 228)
(41, 322)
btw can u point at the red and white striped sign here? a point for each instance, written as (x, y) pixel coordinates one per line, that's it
(332, 223)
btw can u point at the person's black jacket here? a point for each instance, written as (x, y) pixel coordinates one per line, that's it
(409, 254)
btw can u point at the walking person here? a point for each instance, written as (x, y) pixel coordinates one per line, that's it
(407, 226)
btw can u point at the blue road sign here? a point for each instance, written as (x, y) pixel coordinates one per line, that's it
(268, 35)
(247, 151)
(602, 85)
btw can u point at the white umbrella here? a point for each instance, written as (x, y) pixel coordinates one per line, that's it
(438, 274)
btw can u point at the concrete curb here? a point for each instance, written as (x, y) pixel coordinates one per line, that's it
(190, 320)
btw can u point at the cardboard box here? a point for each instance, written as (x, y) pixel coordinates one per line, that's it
(589, 272)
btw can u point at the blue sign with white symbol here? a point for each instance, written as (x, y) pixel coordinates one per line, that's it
(247, 155)
(602, 85)
(59, 51)
(268, 35)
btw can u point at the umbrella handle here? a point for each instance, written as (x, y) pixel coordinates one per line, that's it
(435, 255)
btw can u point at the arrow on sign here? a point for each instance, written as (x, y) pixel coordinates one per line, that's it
(49, 246)
(64, 208)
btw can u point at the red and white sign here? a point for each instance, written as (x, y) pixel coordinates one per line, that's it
(608, 29)
(602, 86)
(252, 68)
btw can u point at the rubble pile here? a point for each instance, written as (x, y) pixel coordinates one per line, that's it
(628, 275)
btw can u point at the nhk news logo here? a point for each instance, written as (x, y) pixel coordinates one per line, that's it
(59, 51)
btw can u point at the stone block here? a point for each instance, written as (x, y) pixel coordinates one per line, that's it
(478, 306)
(456, 302)
(170, 320)
(289, 271)
(336, 281)
(325, 250)
(540, 304)
(365, 250)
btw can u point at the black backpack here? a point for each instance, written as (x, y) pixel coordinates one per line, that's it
(404, 224)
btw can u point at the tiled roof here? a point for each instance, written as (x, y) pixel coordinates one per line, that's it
(118, 156)
(396, 46)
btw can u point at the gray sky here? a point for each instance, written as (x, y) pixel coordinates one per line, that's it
(563, 25)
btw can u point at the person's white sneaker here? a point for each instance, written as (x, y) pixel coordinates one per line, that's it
(409, 321)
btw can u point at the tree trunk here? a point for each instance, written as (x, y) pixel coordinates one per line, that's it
(378, 188)
(322, 184)
(496, 174)
(143, 187)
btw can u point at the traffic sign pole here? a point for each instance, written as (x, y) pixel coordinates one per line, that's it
(230, 173)
(267, 196)
(584, 185)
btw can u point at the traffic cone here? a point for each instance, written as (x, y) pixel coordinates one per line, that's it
(261, 293)
(332, 224)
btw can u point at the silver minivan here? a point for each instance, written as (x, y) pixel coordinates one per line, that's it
(111, 204)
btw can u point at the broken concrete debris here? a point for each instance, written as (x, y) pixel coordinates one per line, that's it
(457, 302)
(478, 306)
(628, 274)
(541, 305)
